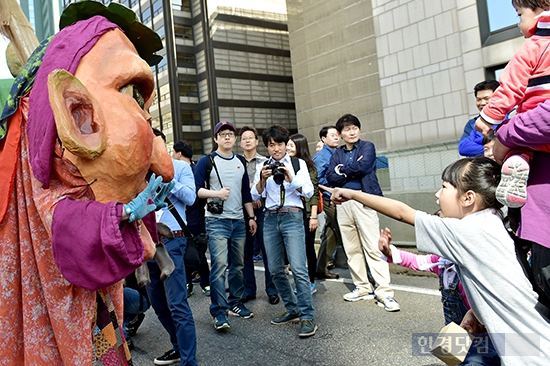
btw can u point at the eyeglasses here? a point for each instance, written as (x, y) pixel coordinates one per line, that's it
(226, 134)
(248, 138)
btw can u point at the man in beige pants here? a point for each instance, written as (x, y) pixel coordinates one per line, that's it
(353, 166)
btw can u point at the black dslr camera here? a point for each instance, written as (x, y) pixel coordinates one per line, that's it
(215, 206)
(278, 174)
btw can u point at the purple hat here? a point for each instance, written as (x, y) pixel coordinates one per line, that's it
(223, 124)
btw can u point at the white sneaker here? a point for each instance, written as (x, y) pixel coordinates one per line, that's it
(512, 189)
(358, 294)
(388, 303)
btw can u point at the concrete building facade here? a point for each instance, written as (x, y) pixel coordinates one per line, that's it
(406, 68)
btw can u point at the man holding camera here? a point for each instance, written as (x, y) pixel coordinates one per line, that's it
(255, 162)
(283, 182)
(221, 179)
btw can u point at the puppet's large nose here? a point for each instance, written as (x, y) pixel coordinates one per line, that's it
(161, 164)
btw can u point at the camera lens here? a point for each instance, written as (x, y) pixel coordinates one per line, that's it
(278, 176)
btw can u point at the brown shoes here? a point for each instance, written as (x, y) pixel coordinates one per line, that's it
(327, 275)
(331, 275)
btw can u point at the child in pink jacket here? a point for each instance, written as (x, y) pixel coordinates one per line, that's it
(525, 82)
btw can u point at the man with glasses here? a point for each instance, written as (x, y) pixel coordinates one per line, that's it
(255, 243)
(221, 179)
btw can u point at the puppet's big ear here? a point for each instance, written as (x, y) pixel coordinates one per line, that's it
(75, 115)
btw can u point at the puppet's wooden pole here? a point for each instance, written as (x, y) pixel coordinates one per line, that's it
(15, 26)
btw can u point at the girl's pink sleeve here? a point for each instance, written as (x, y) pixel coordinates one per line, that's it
(417, 262)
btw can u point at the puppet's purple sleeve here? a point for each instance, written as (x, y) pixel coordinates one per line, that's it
(91, 247)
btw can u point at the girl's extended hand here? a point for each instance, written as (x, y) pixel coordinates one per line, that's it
(339, 195)
(384, 242)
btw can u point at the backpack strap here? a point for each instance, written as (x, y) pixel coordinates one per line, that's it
(178, 218)
(209, 165)
(295, 164)
(242, 159)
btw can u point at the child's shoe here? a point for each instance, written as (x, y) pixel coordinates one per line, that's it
(512, 189)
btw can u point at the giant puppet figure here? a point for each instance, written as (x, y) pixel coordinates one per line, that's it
(79, 165)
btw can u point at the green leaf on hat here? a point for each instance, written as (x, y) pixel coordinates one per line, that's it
(145, 40)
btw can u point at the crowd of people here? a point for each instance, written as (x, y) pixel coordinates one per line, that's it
(212, 219)
(243, 200)
(251, 198)
(227, 205)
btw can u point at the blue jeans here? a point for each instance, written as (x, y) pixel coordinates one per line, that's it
(285, 230)
(134, 303)
(482, 353)
(253, 242)
(226, 244)
(169, 300)
(454, 307)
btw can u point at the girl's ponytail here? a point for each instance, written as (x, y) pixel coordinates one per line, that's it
(478, 174)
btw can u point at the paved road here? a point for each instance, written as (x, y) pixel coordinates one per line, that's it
(359, 333)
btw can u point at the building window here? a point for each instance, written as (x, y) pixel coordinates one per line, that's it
(166, 122)
(155, 122)
(146, 15)
(183, 5)
(160, 32)
(188, 89)
(493, 73)
(183, 31)
(196, 144)
(162, 65)
(190, 118)
(133, 3)
(157, 8)
(186, 60)
(497, 21)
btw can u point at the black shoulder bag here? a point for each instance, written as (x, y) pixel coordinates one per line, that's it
(191, 256)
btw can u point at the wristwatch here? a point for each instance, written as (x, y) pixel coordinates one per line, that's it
(252, 218)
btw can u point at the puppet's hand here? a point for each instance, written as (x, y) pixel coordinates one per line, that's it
(138, 207)
(161, 196)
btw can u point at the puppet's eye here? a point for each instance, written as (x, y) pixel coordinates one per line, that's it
(135, 92)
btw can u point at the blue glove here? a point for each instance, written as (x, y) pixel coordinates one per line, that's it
(161, 196)
(138, 207)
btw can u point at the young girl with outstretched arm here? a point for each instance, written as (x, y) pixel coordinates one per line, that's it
(470, 233)
(453, 297)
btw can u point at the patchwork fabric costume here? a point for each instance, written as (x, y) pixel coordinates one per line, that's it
(62, 254)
